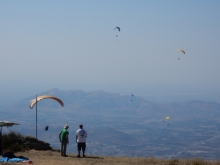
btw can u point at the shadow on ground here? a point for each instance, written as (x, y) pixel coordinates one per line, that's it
(90, 157)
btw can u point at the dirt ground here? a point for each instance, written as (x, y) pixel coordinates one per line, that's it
(54, 158)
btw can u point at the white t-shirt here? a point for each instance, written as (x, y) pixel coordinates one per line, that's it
(82, 135)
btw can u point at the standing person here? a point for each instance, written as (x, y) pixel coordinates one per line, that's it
(81, 136)
(64, 140)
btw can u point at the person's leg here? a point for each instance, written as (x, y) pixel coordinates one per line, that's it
(64, 148)
(83, 149)
(61, 148)
(79, 148)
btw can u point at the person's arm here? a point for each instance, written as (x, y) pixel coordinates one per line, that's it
(76, 138)
(59, 137)
(67, 138)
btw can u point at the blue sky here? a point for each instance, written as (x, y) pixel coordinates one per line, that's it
(71, 45)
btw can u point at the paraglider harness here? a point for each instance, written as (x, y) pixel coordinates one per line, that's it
(46, 128)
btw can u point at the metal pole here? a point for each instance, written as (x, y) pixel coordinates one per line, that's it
(36, 116)
(1, 141)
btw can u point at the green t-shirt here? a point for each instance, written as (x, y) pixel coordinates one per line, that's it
(64, 132)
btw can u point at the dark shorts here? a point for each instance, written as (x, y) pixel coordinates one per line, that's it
(81, 146)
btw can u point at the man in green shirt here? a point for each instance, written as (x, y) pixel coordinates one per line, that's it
(64, 140)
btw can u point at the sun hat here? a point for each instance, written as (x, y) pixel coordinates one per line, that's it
(66, 126)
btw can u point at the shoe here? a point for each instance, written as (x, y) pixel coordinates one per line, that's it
(78, 156)
(84, 156)
(65, 156)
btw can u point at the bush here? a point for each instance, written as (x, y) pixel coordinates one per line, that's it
(11, 142)
(173, 162)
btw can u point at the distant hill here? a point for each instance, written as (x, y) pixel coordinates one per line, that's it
(98, 101)
(80, 100)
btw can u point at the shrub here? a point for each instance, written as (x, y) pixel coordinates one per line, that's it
(173, 162)
(11, 142)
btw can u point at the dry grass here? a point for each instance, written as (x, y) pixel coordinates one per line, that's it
(54, 158)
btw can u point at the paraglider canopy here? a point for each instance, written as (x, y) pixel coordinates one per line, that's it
(34, 101)
(117, 28)
(7, 123)
(180, 50)
(167, 118)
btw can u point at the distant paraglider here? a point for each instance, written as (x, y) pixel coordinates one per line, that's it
(118, 28)
(168, 119)
(132, 95)
(180, 50)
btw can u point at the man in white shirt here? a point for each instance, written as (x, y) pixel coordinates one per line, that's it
(81, 136)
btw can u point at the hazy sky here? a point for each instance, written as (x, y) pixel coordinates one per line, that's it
(71, 45)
